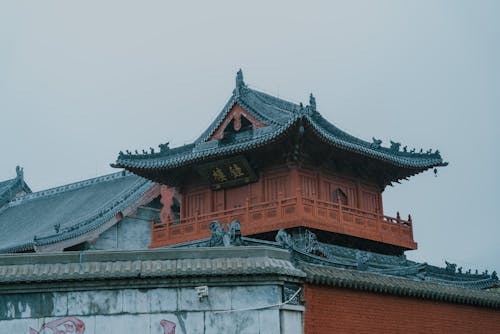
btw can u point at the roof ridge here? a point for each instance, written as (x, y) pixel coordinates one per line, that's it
(93, 220)
(238, 97)
(68, 187)
(112, 202)
(8, 180)
(212, 127)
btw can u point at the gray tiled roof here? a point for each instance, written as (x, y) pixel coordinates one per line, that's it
(6, 190)
(6, 185)
(375, 282)
(73, 266)
(23, 271)
(306, 248)
(65, 212)
(279, 116)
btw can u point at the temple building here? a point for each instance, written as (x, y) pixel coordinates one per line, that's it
(271, 164)
(272, 221)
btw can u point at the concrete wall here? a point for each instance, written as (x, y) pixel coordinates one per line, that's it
(151, 311)
(130, 233)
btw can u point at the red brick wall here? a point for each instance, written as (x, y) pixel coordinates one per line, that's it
(333, 310)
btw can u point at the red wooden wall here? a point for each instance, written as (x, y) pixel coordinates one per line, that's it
(284, 181)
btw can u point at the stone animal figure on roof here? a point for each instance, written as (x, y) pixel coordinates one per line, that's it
(284, 239)
(362, 259)
(395, 146)
(225, 234)
(217, 237)
(164, 147)
(450, 266)
(234, 234)
(376, 143)
(311, 243)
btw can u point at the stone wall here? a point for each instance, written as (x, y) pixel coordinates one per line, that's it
(227, 309)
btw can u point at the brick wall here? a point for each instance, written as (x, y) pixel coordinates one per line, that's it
(334, 310)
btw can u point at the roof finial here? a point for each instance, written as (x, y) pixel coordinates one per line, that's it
(19, 172)
(239, 79)
(312, 102)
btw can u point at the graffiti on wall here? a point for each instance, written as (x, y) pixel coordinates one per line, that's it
(168, 327)
(62, 326)
(72, 325)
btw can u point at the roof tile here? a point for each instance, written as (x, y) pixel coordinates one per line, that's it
(278, 115)
(66, 212)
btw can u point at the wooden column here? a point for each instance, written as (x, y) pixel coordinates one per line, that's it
(359, 193)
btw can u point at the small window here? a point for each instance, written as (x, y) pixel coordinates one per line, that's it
(229, 129)
(245, 124)
(339, 197)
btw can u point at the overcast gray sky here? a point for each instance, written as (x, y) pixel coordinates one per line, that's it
(80, 81)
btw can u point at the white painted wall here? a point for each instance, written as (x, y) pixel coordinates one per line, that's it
(140, 311)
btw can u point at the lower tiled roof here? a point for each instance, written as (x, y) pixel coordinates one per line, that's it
(66, 212)
(374, 282)
(20, 271)
(306, 248)
(145, 264)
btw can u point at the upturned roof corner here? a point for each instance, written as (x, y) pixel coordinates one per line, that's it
(11, 188)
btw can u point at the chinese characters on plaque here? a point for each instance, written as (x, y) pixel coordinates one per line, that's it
(228, 173)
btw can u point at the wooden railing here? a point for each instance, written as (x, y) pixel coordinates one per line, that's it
(288, 213)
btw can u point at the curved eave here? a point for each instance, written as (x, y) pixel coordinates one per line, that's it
(99, 218)
(415, 162)
(181, 160)
(400, 159)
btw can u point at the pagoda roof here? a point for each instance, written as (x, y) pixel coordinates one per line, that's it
(67, 212)
(278, 117)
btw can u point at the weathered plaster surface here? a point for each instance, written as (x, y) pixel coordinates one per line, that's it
(143, 310)
(128, 234)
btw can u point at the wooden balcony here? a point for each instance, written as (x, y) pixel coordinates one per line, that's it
(287, 213)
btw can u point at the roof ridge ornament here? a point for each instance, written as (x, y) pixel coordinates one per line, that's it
(19, 172)
(312, 102)
(239, 79)
(395, 146)
(376, 143)
(225, 234)
(164, 147)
